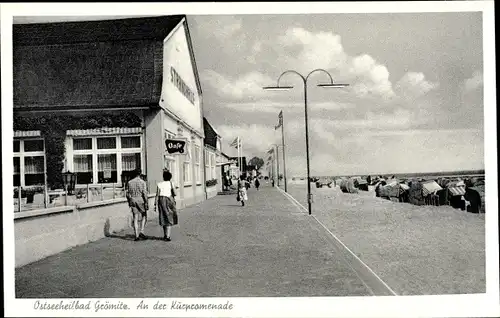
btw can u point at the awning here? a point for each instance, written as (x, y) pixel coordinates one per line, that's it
(454, 191)
(104, 131)
(430, 187)
(27, 133)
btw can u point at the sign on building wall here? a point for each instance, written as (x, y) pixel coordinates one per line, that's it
(175, 146)
(178, 82)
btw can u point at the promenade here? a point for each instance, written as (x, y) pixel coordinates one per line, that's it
(267, 248)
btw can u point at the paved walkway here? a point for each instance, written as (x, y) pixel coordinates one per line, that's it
(267, 248)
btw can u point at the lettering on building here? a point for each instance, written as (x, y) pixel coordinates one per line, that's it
(178, 82)
(175, 145)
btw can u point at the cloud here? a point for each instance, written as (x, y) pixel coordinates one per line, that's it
(269, 106)
(222, 28)
(317, 50)
(255, 138)
(474, 82)
(396, 151)
(375, 77)
(414, 85)
(398, 119)
(250, 84)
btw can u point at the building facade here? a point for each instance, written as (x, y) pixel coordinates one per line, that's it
(215, 161)
(99, 98)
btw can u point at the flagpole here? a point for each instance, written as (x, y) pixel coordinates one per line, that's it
(239, 164)
(283, 146)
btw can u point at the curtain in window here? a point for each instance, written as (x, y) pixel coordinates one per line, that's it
(106, 143)
(82, 143)
(82, 163)
(33, 165)
(17, 165)
(131, 161)
(131, 142)
(106, 162)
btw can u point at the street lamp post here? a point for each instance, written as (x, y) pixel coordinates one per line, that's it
(277, 158)
(304, 80)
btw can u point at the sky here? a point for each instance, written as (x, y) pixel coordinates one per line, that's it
(414, 104)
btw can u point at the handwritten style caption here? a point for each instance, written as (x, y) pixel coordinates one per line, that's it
(101, 305)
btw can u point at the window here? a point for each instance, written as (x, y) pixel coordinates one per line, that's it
(170, 161)
(131, 142)
(187, 165)
(17, 171)
(82, 143)
(197, 162)
(106, 143)
(82, 166)
(106, 159)
(212, 166)
(29, 162)
(207, 166)
(106, 167)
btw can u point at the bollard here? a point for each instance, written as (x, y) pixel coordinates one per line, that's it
(66, 195)
(88, 192)
(102, 192)
(113, 190)
(19, 189)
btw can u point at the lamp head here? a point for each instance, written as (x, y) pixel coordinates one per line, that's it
(277, 88)
(333, 85)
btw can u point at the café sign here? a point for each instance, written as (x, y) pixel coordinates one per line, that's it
(175, 145)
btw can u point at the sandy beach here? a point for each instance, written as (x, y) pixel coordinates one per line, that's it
(416, 250)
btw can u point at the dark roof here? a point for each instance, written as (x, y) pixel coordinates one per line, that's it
(95, 64)
(154, 28)
(210, 134)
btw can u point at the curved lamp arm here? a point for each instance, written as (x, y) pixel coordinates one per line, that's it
(290, 71)
(320, 70)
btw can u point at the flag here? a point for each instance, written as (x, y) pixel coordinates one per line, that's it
(280, 120)
(236, 143)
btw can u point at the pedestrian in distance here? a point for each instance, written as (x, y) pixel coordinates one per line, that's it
(272, 182)
(165, 202)
(257, 183)
(137, 197)
(242, 195)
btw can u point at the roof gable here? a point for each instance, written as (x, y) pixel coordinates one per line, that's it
(153, 28)
(90, 64)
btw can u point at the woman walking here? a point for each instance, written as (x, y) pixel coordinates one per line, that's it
(257, 183)
(242, 190)
(165, 201)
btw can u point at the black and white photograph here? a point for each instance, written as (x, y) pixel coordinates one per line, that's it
(250, 159)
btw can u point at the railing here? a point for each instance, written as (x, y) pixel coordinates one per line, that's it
(39, 197)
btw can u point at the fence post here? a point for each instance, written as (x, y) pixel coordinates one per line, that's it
(88, 192)
(66, 195)
(19, 189)
(45, 196)
(102, 192)
(113, 190)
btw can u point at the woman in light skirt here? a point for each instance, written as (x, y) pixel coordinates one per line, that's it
(165, 201)
(242, 190)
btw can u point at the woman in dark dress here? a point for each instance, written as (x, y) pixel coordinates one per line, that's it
(165, 201)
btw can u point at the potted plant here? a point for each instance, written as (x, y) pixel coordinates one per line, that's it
(211, 183)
